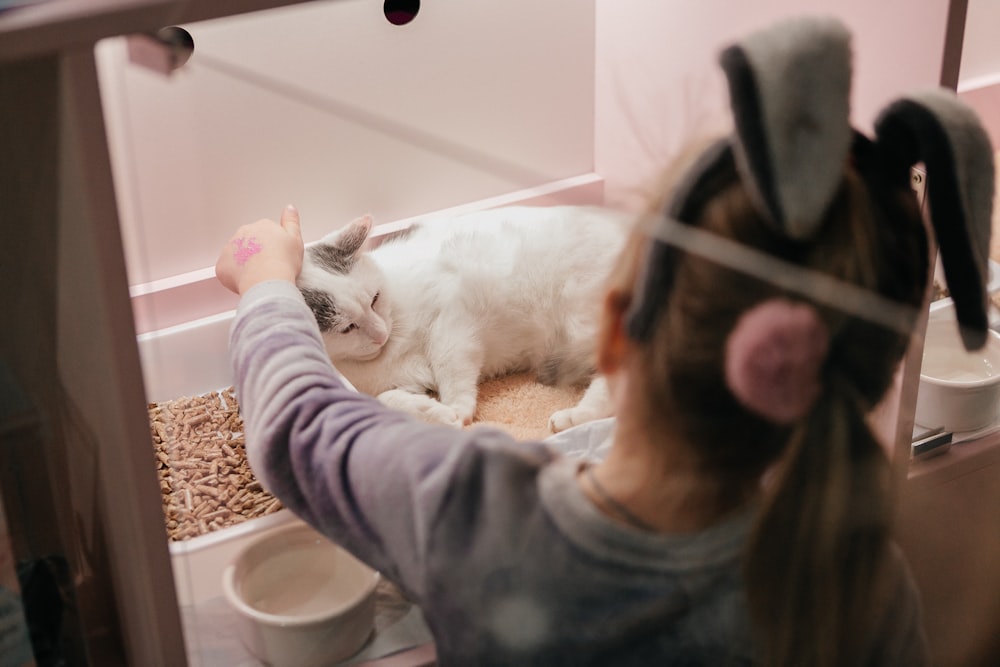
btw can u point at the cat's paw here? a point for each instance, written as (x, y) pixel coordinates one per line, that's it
(465, 411)
(595, 404)
(570, 417)
(421, 406)
(441, 414)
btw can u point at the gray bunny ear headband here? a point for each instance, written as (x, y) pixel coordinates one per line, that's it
(789, 89)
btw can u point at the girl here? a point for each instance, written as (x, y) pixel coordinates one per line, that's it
(742, 513)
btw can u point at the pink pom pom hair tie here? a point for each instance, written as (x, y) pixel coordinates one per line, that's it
(774, 356)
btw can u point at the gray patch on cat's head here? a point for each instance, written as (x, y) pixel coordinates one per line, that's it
(333, 258)
(322, 307)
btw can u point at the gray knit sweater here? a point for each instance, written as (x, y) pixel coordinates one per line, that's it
(509, 561)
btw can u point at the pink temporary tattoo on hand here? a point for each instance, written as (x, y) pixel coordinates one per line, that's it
(245, 249)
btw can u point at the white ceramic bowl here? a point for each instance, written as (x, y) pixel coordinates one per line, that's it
(301, 600)
(959, 390)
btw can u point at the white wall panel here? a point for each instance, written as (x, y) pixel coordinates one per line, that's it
(331, 107)
(981, 47)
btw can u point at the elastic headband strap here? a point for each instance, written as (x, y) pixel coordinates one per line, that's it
(807, 283)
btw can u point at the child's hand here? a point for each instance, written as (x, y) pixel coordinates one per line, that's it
(261, 251)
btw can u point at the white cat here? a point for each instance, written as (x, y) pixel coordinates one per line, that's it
(420, 320)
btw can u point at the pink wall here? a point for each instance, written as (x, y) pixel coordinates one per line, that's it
(657, 84)
(986, 101)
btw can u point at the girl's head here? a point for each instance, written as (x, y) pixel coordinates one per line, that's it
(871, 236)
(815, 560)
(795, 184)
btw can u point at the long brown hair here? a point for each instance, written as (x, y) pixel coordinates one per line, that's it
(813, 563)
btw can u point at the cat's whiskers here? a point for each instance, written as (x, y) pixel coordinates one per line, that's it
(398, 329)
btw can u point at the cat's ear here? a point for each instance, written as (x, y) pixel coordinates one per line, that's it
(338, 251)
(350, 239)
(353, 236)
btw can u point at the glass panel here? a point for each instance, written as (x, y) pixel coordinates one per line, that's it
(333, 107)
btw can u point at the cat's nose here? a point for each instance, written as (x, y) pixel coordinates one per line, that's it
(379, 337)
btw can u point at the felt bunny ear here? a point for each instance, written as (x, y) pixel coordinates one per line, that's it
(789, 88)
(938, 129)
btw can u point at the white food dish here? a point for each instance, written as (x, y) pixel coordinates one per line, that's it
(959, 390)
(301, 600)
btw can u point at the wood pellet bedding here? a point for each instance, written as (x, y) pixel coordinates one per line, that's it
(206, 483)
(205, 480)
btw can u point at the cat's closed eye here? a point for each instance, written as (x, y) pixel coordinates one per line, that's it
(349, 328)
(374, 299)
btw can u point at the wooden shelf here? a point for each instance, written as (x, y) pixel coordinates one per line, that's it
(961, 459)
(949, 529)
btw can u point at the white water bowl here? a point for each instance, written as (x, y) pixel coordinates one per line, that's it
(301, 600)
(959, 390)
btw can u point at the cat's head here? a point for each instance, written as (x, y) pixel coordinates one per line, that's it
(345, 290)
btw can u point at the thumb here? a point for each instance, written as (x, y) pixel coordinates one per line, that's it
(290, 221)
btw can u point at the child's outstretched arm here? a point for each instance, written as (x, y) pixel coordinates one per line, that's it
(373, 479)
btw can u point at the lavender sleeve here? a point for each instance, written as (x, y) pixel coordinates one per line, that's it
(370, 478)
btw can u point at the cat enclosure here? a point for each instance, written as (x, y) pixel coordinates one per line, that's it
(356, 106)
(167, 141)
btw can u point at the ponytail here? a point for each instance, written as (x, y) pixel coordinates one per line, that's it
(821, 540)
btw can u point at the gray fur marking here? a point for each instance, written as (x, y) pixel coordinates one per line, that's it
(322, 307)
(333, 258)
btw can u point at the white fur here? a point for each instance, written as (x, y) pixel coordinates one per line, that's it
(468, 298)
